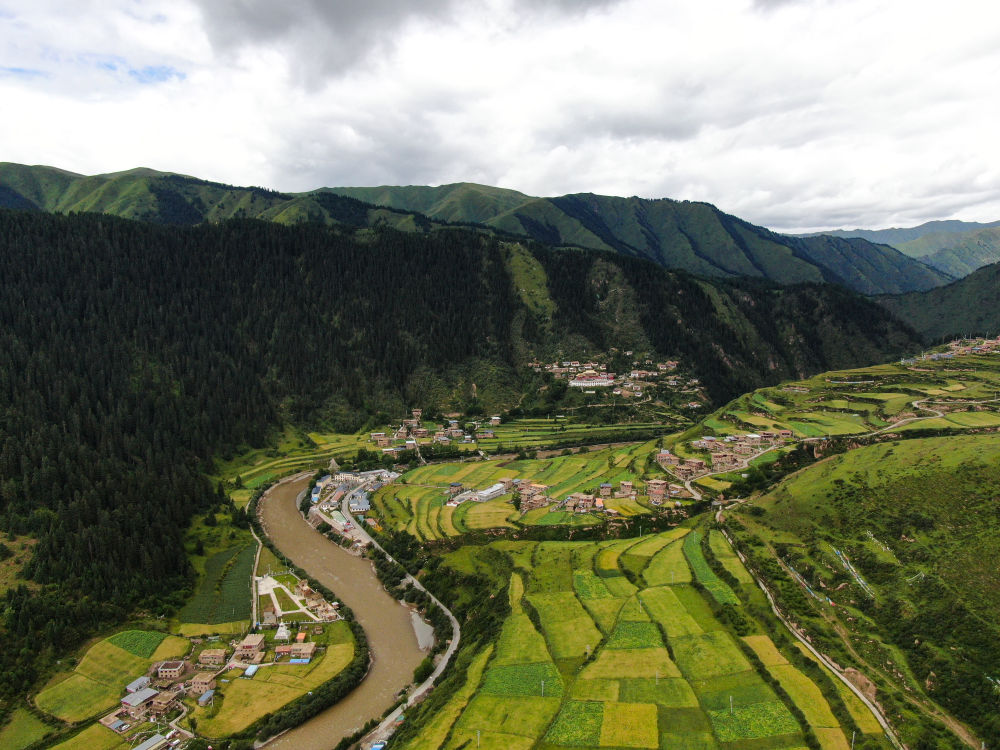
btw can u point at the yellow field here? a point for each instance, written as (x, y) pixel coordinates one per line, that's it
(94, 737)
(629, 725)
(765, 649)
(634, 662)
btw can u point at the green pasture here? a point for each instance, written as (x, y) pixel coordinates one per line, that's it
(23, 728)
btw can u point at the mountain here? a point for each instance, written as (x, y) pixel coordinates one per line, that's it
(957, 254)
(695, 237)
(955, 248)
(967, 306)
(134, 354)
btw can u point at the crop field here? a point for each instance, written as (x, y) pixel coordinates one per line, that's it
(725, 555)
(719, 590)
(668, 566)
(416, 503)
(98, 680)
(635, 690)
(223, 592)
(857, 401)
(94, 737)
(241, 702)
(140, 643)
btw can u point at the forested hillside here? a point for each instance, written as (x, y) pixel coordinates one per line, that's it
(695, 237)
(970, 306)
(131, 354)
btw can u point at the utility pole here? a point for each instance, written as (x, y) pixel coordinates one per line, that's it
(730, 705)
(543, 688)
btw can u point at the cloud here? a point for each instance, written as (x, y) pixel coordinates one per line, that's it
(813, 114)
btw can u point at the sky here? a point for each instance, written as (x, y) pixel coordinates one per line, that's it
(793, 114)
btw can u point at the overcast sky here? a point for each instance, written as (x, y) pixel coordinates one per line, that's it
(794, 114)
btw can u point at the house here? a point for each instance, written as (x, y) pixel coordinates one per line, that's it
(206, 698)
(454, 488)
(212, 656)
(137, 684)
(303, 650)
(137, 703)
(484, 434)
(420, 432)
(163, 703)
(171, 670)
(605, 489)
(360, 504)
(656, 487)
(283, 633)
(417, 413)
(666, 458)
(383, 441)
(494, 420)
(250, 646)
(300, 637)
(268, 617)
(490, 493)
(786, 434)
(626, 487)
(202, 683)
(283, 650)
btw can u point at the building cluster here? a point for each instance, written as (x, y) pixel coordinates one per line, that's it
(595, 375)
(413, 432)
(729, 452)
(458, 494)
(153, 696)
(311, 599)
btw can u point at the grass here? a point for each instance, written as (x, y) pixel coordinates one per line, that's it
(94, 737)
(509, 715)
(22, 729)
(670, 692)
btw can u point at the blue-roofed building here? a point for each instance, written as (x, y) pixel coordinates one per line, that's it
(205, 698)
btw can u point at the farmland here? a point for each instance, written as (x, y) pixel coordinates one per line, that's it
(97, 681)
(22, 729)
(416, 503)
(590, 656)
(854, 402)
(240, 702)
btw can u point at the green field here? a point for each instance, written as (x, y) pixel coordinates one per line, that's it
(22, 729)
(637, 667)
(223, 591)
(99, 679)
(241, 702)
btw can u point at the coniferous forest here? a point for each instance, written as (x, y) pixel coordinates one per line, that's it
(132, 354)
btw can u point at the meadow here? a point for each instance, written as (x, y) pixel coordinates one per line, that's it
(586, 658)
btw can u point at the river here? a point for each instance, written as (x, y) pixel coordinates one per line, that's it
(391, 637)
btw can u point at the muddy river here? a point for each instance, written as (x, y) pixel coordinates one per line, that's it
(391, 637)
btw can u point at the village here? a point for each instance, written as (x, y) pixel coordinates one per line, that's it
(724, 453)
(292, 630)
(594, 376)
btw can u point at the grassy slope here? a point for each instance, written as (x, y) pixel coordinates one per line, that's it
(918, 520)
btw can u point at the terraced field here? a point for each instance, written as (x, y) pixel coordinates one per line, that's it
(859, 401)
(417, 503)
(587, 658)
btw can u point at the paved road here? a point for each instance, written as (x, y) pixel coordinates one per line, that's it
(384, 730)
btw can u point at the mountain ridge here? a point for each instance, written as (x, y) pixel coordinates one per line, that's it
(690, 236)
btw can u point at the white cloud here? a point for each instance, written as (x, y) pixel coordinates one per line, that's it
(793, 115)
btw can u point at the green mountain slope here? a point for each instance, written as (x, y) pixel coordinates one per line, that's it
(696, 237)
(968, 306)
(957, 254)
(917, 520)
(955, 248)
